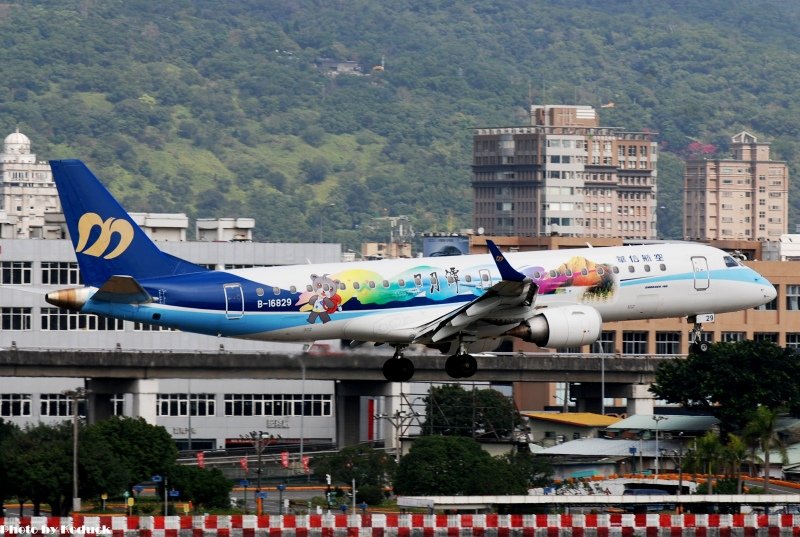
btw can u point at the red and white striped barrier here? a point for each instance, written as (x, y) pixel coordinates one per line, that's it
(409, 525)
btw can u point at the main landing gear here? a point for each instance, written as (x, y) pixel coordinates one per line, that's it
(461, 365)
(697, 345)
(398, 368)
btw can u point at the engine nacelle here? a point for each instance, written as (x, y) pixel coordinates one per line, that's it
(561, 326)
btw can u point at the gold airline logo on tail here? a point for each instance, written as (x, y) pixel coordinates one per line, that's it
(107, 229)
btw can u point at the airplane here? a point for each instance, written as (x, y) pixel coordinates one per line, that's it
(456, 304)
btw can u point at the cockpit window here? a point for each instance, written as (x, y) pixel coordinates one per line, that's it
(730, 262)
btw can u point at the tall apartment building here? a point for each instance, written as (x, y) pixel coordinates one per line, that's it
(565, 175)
(744, 197)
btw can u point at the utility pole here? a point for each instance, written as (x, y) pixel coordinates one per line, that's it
(78, 394)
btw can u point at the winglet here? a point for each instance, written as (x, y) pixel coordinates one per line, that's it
(507, 272)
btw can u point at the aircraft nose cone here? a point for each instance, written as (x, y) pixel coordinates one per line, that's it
(769, 292)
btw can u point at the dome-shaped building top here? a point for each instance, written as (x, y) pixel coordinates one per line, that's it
(17, 143)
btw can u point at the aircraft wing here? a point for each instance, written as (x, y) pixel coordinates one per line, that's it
(506, 302)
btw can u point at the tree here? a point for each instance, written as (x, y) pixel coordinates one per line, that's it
(9, 434)
(731, 380)
(40, 467)
(205, 488)
(451, 410)
(706, 457)
(761, 431)
(452, 465)
(143, 450)
(736, 452)
(372, 469)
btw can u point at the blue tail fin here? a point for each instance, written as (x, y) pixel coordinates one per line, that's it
(107, 241)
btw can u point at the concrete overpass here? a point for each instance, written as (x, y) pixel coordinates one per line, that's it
(358, 373)
(361, 366)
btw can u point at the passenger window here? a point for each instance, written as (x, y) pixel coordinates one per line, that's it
(585, 271)
(552, 273)
(647, 268)
(386, 283)
(567, 273)
(309, 288)
(663, 267)
(631, 268)
(485, 277)
(600, 271)
(537, 275)
(450, 279)
(371, 284)
(401, 282)
(276, 291)
(342, 286)
(615, 269)
(418, 280)
(356, 286)
(468, 278)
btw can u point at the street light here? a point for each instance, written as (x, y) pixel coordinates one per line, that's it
(657, 419)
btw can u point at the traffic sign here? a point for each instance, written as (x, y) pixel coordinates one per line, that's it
(156, 479)
(174, 493)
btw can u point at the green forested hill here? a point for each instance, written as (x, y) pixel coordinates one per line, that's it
(217, 109)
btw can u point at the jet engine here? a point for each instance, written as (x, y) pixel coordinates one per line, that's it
(561, 326)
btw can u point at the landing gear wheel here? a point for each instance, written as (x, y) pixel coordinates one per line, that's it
(700, 347)
(461, 366)
(399, 369)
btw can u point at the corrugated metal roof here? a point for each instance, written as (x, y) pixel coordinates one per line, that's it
(605, 447)
(584, 419)
(671, 422)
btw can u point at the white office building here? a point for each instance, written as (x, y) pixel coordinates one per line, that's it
(36, 258)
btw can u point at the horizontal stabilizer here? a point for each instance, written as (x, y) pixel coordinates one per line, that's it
(122, 290)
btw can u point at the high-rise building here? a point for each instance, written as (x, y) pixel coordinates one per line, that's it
(565, 175)
(743, 197)
(27, 192)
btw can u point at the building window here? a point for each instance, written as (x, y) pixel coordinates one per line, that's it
(634, 342)
(772, 337)
(15, 272)
(60, 273)
(15, 404)
(256, 404)
(59, 319)
(668, 342)
(15, 318)
(606, 343)
(730, 337)
(793, 297)
(55, 404)
(793, 341)
(177, 404)
(118, 404)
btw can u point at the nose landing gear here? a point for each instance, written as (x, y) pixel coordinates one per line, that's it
(698, 345)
